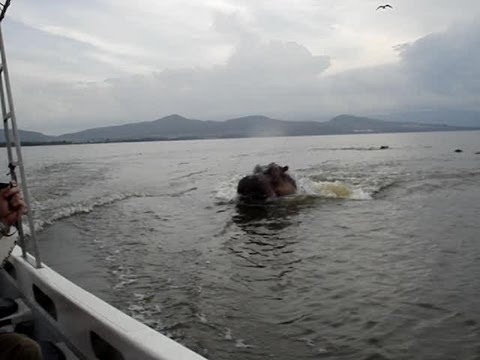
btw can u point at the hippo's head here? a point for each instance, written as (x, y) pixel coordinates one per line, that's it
(267, 181)
(276, 172)
(255, 188)
(282, 182)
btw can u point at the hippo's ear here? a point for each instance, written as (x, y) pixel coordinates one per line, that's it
(285, 168)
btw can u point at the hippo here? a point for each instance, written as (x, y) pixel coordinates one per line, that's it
(267, 181)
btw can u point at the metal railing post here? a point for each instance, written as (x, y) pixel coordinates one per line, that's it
(10, 115)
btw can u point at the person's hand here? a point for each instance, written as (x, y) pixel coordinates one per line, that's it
(12, 206)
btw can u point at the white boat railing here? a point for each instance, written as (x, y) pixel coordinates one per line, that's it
(90, 327)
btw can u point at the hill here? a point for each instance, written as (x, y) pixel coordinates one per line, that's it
(176, 127)
(449, 117)
(29, 137)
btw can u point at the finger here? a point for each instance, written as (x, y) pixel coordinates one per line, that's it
(3, 192)
(16, 197)
(10, 192)
(17, 203)
(21, 208)
(12, 218)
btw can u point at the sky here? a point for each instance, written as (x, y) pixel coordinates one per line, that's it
(81, 64)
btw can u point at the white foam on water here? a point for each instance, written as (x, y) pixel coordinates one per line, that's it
(202, 318)
(135, 307)
(84, 207)
(139, 297)
(226, 191)
(228, 334)
(240, 343)
(333, 189)
(125, 279)
(145, 314)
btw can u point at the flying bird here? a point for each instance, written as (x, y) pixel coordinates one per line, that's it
(385, 6)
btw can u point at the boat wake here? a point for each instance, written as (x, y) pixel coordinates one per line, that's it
(49, 217)
(352, 148)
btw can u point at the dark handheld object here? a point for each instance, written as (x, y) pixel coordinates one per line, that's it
(3, 8)
(5, 185)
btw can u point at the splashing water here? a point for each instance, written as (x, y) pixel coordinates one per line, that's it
(333, 190)
(226, 191)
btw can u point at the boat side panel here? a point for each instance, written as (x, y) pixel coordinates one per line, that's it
(79, 313)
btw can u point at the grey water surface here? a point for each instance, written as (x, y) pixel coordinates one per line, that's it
(377, 257)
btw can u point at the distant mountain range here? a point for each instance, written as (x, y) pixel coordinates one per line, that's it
(450, 117)
(30, 137)
(176, 127)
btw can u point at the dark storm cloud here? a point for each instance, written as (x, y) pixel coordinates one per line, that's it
(446, 63)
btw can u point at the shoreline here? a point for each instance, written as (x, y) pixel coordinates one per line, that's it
(189, 138)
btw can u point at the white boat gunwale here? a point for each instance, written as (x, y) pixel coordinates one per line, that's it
(79, 313)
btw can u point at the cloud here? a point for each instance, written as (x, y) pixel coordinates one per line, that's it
(253, 72)
(252, 80)
(282, 79)
(446, 63)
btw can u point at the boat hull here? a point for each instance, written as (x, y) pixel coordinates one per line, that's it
(90, 327)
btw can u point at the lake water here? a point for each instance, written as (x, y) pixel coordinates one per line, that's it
(377, 257)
